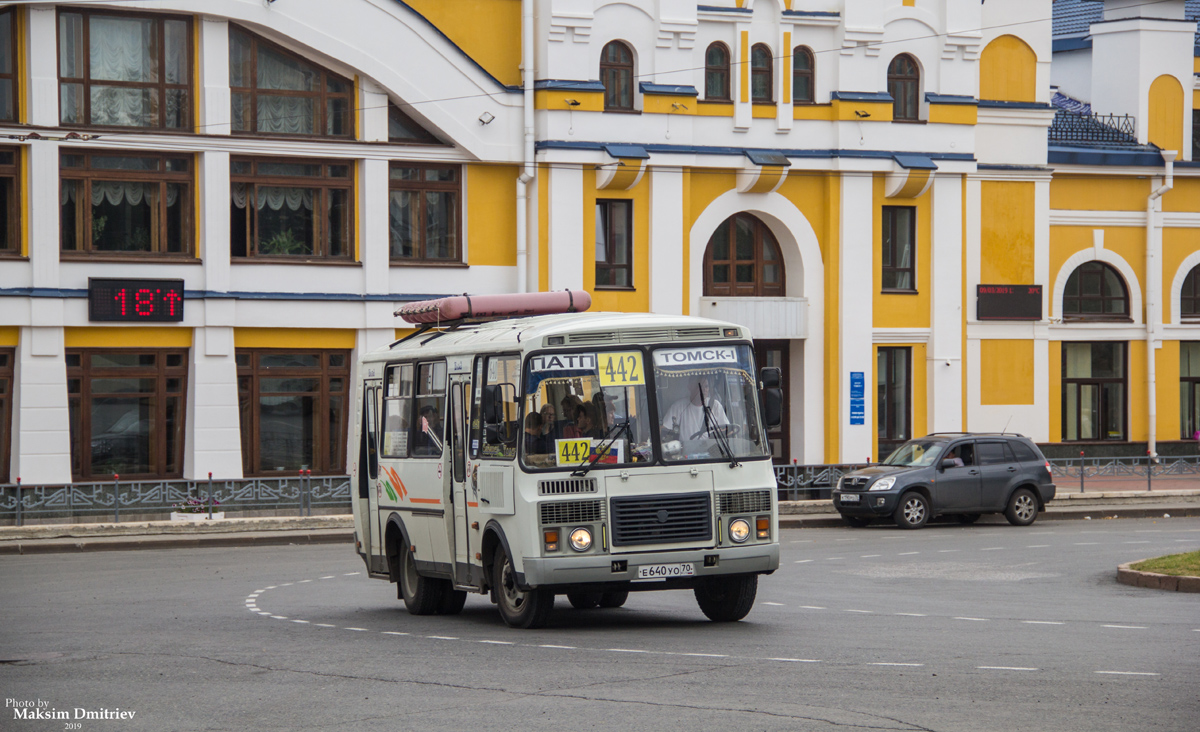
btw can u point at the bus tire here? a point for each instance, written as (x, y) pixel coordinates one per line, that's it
(614, 599)
(584, 600)
(452, 601)
(727, 599)
(421, 595)
(528, 609)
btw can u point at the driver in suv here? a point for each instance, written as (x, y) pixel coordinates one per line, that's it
(960, 474)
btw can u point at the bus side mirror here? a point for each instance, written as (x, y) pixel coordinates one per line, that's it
(772, 396)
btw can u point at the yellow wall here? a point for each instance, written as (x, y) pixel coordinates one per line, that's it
(1166, 113)
(636, 300)
(844, 109)
(492, 214)
(1007, 233)
(902, 311)
(668, 104)
(10, 335)
(714, 109)
(1099, 193)
(127, 337)
(292, 338)
(1127, 241)
(1008, 71)
(1178, 244)
(953, 114)
(1006, 371)
(1166, 366)
(589, 101)
(1184, 196)
(1055, 381)
(489, 31)
(1138, 429)
(919, 405)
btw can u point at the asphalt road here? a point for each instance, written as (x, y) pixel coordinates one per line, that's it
(948, 628)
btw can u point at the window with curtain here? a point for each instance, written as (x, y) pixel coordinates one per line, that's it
(904, 84)
(899, 248)
(424, 222)
(293, 407)
(1189, 389)
(1095, 291)
(126, 412)
(10, 201)
(616, 73)
(743, 260)
(1189, 296)
(135, 204)
(275, 92)
(614, 244)
(8, 66)
(761, 82)
(716, 73)
(402, 128)
(893, 372)
(803, 81)
(291, 209)
(124, 70)
(1093, 391)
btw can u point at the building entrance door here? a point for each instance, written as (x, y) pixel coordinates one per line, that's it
(775, 354)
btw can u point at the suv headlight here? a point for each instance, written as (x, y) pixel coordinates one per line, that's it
(883, 484)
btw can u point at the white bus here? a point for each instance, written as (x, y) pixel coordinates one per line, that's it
(578, 454)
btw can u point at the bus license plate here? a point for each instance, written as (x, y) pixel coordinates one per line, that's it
(664, 571)
(850, 498)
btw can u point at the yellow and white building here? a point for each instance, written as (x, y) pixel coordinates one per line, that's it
(842, 176)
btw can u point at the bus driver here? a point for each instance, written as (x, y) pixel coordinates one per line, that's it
(686, 416)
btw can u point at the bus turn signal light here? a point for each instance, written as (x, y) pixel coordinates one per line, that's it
(551, 538)
(763, 525)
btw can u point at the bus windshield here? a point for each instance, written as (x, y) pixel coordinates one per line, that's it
(707, 404)
(581, 407)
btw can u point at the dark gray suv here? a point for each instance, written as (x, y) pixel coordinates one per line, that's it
(959, 474)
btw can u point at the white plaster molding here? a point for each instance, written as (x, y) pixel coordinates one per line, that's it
(1190, 262)
(1092, 254)
(1008, 116)
(575, 26)
(900, 335)
(1107, 219)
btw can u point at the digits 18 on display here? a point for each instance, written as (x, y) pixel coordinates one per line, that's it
(135, 300)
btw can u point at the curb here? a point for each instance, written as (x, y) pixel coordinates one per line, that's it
(1054, 513)
(100, 544)
(1155, 581)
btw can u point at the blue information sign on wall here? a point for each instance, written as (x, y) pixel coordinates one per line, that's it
(858, 409)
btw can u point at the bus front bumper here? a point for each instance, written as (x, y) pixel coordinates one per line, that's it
(598, 569)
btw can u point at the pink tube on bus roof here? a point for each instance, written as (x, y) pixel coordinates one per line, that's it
(495, 306)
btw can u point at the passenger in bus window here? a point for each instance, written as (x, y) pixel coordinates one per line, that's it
(685, 417)
(552, 429)
(585, 423)
(535, 442)
(567, 408)
(429, 440)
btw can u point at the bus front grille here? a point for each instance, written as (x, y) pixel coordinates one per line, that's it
(562, 486)
(572, 512)
(661, 519)
(744, 502)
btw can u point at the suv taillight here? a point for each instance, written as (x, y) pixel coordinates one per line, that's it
(1049, 469)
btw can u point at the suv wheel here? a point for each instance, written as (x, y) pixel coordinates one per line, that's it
(913, 511)
(1022, 508)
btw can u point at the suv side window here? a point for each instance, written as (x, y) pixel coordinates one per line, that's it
(1024, 454)
(964, 451)
(993, 453)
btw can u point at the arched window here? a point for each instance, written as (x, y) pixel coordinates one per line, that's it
(904, 84)
(803, 85)
(743, 260)
(1189, 295)
(1095, 291)
(760, 73)
(616, 73)
(716, 72)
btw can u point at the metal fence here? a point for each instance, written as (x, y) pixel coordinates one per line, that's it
(156, 499)
(1126, 473)
(1071, 127)
(805, 482)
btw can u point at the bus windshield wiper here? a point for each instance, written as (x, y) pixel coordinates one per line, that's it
(605, 442)
(710, 424)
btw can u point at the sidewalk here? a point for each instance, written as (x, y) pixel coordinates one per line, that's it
(57, 538)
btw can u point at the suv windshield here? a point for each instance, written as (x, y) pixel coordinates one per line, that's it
(707, 404)
(575, 403)
(916, 453)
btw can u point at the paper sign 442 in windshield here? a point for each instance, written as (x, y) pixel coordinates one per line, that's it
(621, 369)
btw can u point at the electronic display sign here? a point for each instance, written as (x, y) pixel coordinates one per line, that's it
(132, 301)
(1008, 302)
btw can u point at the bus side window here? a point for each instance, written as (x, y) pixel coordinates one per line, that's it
(456, 431)
(428, 431)
(502, 376)
(475, 431)
(397, 410)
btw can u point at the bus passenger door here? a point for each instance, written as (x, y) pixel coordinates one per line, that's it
(460, 387)
(368, 474)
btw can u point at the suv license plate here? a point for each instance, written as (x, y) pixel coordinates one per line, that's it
(850, 498)
(663, 571)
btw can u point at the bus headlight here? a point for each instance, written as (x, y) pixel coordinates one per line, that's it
(581, 539)
(739, 530)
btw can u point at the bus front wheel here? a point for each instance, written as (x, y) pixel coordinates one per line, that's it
(519, 609)
(727, 599)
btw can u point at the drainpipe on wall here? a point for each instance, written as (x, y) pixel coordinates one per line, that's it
(528, 172)
(1153, 298)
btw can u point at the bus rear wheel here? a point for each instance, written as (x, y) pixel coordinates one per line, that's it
(421, 595)
(519, 609)
(727, 599)
(614, 599)
(584, 600)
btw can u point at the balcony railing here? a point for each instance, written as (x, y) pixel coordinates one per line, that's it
(1110, 129)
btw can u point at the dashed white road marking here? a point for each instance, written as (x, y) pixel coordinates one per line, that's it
(498, 643)
(625, 650)
(885, 663)
(977, 620)
(303, 581)
(710, 655)
(1086, 543)
(870, 556)
(864, 612)
(1126, 627)
(325, 625)
(361, 630)
(947, 551)
(907, 554)
(846, 539)
(329, 576)
(1038, 546)
(803, 561)
(263, 612)
(1129, 673)
(812, 607)
(351, 574)
(393, 632)
(287, 584)
(833, 559)
(305, 622)
(795, 660)
(912, 615)
(1136, 542)
(1007, 668)
(565, 648)
(1044, 622)
(775, 604)
(992, 549)
(442, 637)
(279, 617)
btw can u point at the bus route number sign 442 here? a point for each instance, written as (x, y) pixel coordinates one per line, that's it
(135, 300)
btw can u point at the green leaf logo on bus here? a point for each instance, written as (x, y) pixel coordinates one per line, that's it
(390, 473)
